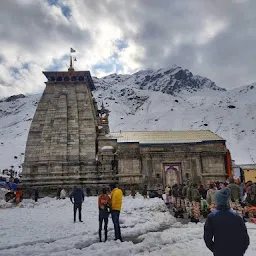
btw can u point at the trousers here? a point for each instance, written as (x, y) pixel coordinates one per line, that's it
(103, 217)
(115, 218)
(78, 206)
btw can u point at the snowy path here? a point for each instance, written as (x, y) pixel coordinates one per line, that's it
(46, 228)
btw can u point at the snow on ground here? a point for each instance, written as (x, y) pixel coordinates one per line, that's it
(47, 228)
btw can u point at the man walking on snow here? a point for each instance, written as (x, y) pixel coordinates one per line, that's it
(78, 196)
(116, 205)
(224, 231)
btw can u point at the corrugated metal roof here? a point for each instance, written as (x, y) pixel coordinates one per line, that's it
(165, 137)
(247, 166)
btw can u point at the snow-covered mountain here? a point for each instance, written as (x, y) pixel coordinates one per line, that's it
(166, 99)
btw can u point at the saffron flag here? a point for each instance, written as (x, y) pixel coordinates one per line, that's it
(72, 50)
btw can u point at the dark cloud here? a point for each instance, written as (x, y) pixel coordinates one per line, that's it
(212, 38)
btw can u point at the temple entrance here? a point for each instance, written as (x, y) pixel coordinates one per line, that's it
(172, 174)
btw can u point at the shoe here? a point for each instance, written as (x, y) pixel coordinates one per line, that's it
(121, 239)
(193, 219)
(80, 221)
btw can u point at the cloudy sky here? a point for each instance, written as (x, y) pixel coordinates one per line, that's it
(212, 38)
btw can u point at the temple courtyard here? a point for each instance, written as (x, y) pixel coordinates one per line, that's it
(46, 228)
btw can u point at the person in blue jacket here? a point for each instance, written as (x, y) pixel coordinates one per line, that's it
(224, 231)
(78, 196)
(13, 186)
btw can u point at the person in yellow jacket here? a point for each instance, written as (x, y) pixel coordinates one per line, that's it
(116, 205)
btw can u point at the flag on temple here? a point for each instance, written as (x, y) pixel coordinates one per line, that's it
(72, 50)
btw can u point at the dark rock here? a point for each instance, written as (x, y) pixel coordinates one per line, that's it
(180, 75)
(205, 124)
(251, 87)
(231, 106)
(147, 78)
(176, 101)
(15, 97)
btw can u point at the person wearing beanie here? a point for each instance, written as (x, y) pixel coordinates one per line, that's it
(224, 231)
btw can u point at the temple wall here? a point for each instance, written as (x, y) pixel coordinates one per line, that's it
(200, 162)
(61, 145)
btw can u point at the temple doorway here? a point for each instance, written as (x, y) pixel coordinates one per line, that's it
(172, 174)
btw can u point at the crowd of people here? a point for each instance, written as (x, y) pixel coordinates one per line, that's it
(225, 205)
(196, 200)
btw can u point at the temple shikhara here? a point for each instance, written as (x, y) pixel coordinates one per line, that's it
(69, 143)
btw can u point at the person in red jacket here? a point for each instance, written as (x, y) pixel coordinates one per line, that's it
(104, 210)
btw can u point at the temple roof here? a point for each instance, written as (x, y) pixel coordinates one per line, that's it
(165, 137)
(70, 77)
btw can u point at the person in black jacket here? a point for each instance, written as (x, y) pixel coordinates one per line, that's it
(224, 231)
(36, 195)
(202, 191)
(78, 196)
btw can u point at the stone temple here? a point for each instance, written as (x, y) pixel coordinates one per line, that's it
(69, 143)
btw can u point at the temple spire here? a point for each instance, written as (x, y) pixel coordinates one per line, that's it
(71, 64)
(71, 60)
